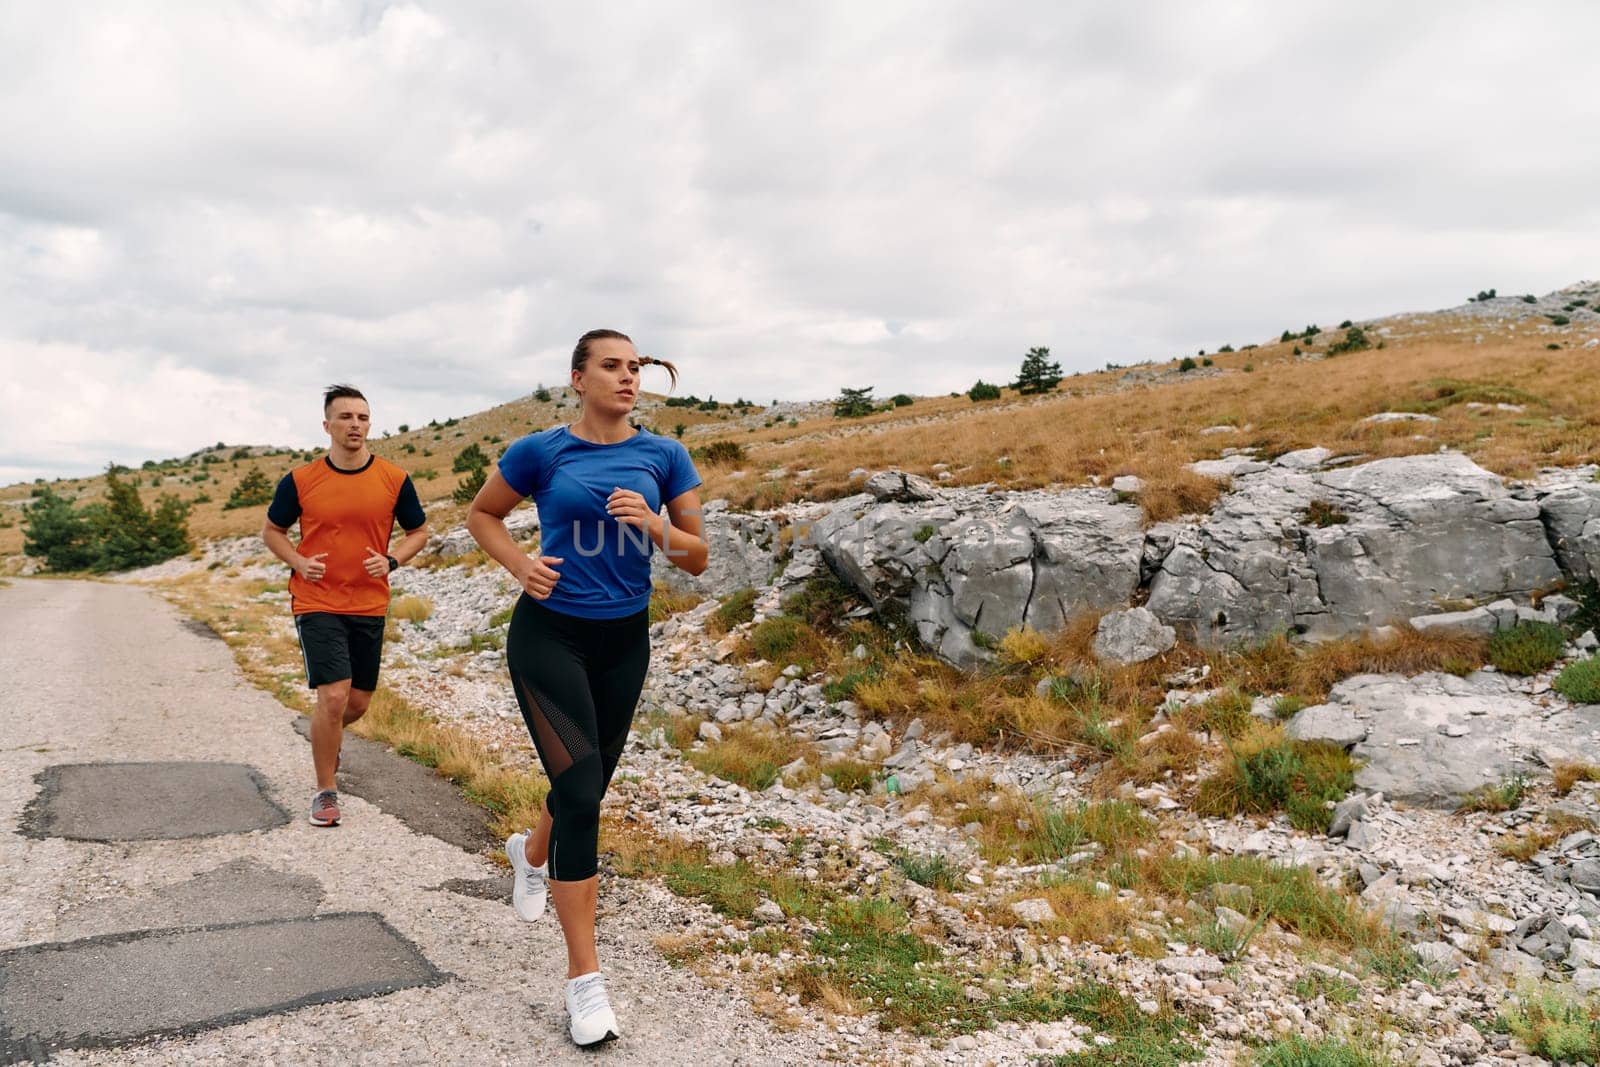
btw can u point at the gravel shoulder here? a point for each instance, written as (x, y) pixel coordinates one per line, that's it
(101, 672)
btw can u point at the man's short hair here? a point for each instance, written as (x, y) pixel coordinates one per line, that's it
(334, 392)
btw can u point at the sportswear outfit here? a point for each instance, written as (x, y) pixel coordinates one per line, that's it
(341, 512)
(578, 658)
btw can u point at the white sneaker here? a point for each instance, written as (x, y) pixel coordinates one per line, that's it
(529, 891)
(589, 1010)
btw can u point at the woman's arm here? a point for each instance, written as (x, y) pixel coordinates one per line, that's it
(678, 534)
(486, 522)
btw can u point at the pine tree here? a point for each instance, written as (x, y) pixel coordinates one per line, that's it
(470, 458)
(853, 403)
(253, 490)
(470, 485)
(55, 532)
(1038, 373)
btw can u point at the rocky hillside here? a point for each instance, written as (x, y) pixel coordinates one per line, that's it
(1229, 714)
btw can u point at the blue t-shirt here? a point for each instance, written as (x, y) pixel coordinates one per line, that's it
(605, 573)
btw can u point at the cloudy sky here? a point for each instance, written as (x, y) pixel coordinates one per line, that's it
(210, 209)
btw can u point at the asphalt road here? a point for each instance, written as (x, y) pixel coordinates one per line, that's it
(166, 900)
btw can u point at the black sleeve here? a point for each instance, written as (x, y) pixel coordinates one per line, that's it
(407, 508)
(285, 507)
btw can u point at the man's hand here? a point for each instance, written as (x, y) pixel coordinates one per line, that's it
(312, 568)
(377, 563)
(540, 576)
(629, 508)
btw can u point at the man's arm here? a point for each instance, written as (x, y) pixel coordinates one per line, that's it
(276, 538)
(408, 546)
(282, 513)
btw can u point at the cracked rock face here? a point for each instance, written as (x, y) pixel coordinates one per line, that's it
(1569, 503)
(743, 550)
(1329, 553)
(1433, 739)
(968, 562)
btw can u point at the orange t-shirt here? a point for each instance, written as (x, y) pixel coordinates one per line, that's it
(342, 513)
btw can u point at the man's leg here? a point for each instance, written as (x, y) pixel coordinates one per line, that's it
(360, 699)
(327, 729)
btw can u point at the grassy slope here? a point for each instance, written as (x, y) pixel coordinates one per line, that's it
(1148, 420)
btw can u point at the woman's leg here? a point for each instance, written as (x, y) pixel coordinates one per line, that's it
(547, 659)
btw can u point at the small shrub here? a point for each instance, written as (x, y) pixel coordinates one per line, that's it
(1552, 347)
(982, 390)
(719, 452)
(1186, 364)
(1527, 648)
(1507, 796)
(1580, 681)
(1554, 1023)
(253, 490)
(470, 485)
(1568, 775)
(737, 608)
(469, 459)
(541, 394)
(1264, 771)
(751, 756)
(1207, 362)
(1559, 320)
(934, 871)
(1529, 298)
(849, 775)
(1355, 340)
(664, 603)
(1324, 514)
(410, 608)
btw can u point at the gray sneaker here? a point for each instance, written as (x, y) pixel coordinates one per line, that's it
(325, 808)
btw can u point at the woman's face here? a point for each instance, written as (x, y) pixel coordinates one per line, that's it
(609, 381)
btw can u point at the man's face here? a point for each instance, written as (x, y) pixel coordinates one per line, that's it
(347, 422)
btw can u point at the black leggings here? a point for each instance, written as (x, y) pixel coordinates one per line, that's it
(577, 682)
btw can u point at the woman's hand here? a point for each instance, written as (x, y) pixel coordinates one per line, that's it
(540, 576)
(629, 508)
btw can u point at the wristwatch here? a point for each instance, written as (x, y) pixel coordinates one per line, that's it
(393, 563)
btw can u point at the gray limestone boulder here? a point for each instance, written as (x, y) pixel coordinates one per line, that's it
(1570, 509)
(969, 566)
(1328, 553)
(1132, 636)
(1480, 621)
(899, 486)
(1434, 739)
(743, 554)
(1332, 724)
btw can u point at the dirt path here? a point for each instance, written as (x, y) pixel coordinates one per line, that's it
(128, 938)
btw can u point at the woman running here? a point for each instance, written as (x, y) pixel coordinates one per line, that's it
(580, 634)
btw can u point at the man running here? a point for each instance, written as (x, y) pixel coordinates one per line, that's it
(347, 503)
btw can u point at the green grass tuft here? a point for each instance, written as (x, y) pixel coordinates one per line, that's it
(1527, 648)
(1580, 681)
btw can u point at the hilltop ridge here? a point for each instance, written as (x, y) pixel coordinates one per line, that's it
(1504, 376)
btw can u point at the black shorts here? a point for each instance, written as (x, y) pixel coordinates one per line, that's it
(339, 647)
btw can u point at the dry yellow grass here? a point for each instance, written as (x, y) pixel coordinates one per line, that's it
(1102, 425)
(410, 608)
(1570, 774)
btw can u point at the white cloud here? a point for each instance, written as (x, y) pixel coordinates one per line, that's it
(216, 209)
